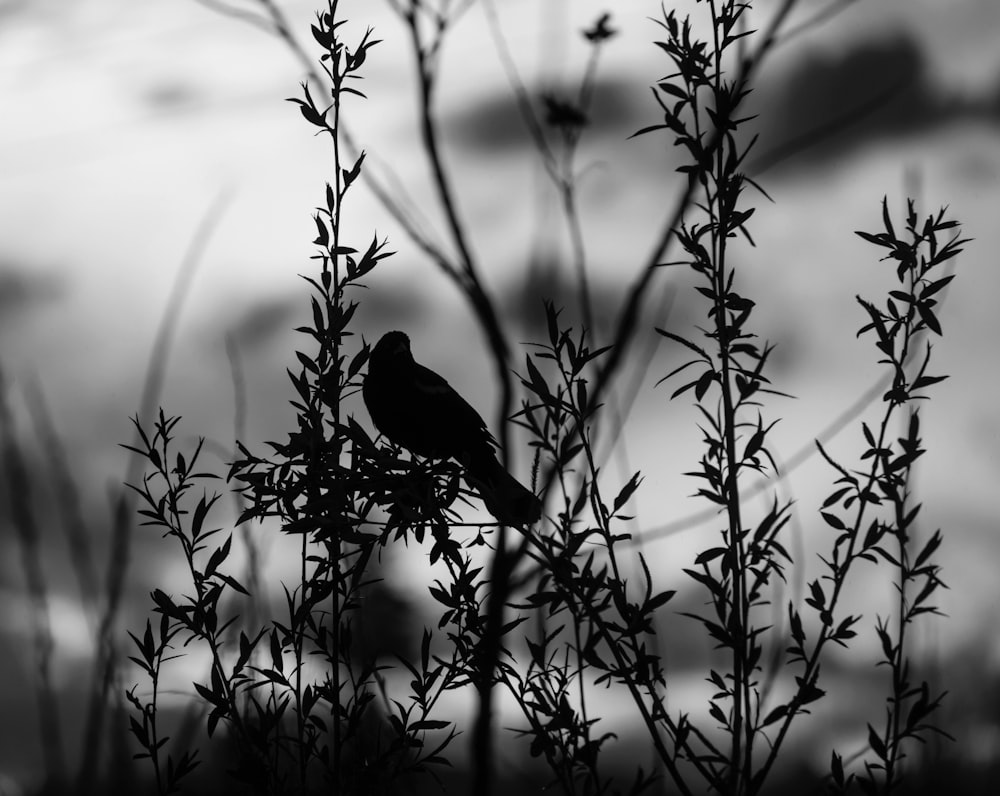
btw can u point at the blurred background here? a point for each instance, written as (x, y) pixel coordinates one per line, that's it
(143, 141)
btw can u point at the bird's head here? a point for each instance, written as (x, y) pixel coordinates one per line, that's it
(392, 350)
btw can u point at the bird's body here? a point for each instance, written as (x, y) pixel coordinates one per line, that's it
(416, 408)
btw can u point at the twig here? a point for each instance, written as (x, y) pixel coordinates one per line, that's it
(22, 515)
(68, 503)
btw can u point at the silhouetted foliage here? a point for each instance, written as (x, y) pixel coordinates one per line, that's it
(563, 606)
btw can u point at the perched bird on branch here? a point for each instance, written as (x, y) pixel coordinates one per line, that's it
(415, 408)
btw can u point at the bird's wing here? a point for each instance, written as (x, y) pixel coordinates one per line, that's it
(445, 409)
(428, 383)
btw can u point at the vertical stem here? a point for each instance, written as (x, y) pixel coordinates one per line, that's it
(28, 534)
(153, 733)
(592, 775)
(335, 617)
(489, 653)
(467, 276)
(898, 662)
(726, 190)
(738, 613)
(568, 193)
(299, 630)
(898, 683)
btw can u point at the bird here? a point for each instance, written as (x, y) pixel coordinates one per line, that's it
(415, 408)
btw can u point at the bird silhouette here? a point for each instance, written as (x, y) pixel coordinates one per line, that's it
(416, 408)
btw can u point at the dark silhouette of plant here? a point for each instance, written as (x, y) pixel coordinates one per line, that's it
(296, 730)
(566, 606)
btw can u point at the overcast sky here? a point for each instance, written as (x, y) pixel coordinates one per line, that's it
(122, 124)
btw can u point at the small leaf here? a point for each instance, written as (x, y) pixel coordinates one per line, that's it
(626, 492)
(429, 724)
(775, 715)
(808, 692)
(833, 520)
(709, 555)
(876, 743)
(837, 770)
(277, 658)
(672, 90)
(658, 600)
(928, 317)
(816, 599)
(703, 383)
(932, 545)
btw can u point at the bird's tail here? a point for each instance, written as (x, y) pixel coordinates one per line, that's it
(509, 501)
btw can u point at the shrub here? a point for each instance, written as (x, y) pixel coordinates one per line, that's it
(551, 613)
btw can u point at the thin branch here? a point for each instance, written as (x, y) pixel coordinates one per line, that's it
(824, 132)
(631, 311)
(525, 108)
(823, 15)
(800, 456)
(25, 524)
(392, 197)
(226, 10)
(68, 504)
